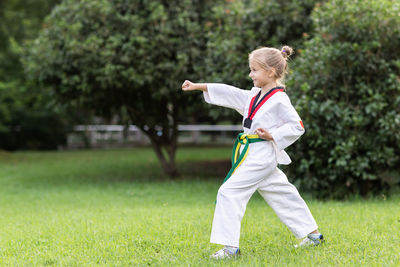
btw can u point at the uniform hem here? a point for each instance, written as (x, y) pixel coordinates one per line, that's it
(216, 241)
(305, 231)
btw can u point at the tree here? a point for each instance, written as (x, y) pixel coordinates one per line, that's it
(129, 55)
(347, 87)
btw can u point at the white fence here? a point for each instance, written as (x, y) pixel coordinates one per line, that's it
(119, 135)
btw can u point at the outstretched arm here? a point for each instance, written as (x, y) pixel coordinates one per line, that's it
(189, 86)
(220, 94)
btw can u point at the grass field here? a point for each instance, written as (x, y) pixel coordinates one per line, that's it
(115, 208)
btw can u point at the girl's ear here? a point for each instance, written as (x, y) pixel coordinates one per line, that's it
(272, 73)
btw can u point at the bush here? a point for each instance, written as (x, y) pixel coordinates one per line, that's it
(36, 129)
(29, 118)
(238, 27)
(347, 90)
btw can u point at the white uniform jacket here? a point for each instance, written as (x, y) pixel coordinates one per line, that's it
(277, 116)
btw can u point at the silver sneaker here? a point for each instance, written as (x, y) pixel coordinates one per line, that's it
(311, 240)
(225, 254)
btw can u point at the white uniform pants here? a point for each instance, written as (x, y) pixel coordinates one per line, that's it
(274, 187)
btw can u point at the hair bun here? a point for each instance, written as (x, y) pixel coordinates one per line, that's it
(286, 51)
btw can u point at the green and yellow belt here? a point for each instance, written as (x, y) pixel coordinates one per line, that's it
(237, 156)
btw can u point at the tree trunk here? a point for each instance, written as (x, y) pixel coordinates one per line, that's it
(167, 160)
(164, 145)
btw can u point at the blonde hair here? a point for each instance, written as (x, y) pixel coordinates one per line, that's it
(268, 58)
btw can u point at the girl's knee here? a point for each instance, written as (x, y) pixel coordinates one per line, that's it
(223, 192)
(226, 193)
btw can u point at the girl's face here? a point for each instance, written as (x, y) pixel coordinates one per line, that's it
(259, 75)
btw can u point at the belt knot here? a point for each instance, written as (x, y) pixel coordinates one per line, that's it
(237, 156)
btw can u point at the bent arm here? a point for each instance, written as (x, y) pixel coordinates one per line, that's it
(291, 129)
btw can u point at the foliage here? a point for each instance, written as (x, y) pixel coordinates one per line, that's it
(347, 90)
(115, 208)
(27, 118)
(131, 57)
(20, 21)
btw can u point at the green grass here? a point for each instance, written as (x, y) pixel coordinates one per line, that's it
(115, 208)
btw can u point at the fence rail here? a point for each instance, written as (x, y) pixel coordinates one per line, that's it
(133, 128)
(120, 135)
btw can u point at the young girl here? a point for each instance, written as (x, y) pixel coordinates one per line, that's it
(270, 124)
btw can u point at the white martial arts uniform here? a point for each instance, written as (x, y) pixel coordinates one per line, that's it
(259, 170)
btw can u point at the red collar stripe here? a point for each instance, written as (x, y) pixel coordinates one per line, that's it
(261, 103)
(251, 105)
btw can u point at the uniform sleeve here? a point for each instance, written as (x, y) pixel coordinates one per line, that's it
(226, 96)
(292, 127)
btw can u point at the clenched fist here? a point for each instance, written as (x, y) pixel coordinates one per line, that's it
(188, 86)
(264, 134)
